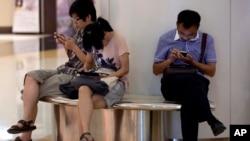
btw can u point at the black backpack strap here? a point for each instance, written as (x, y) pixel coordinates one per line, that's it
(203, 46)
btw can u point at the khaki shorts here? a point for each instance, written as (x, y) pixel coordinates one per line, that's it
(49, 81)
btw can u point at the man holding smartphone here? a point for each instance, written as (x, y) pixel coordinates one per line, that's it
(182, 47)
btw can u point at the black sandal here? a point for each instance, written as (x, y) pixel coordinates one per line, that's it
(84, 138)
(26, 127)
(19, 139)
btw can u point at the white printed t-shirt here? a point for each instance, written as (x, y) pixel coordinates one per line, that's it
(108, 57)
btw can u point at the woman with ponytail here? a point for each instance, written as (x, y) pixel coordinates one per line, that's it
(107, 49)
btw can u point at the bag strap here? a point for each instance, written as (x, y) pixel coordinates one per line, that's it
(203, 46)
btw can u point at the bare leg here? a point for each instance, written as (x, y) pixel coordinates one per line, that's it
(99, 101)
(85, 108)
(30, 99)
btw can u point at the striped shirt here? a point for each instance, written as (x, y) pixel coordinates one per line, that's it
(73, 63)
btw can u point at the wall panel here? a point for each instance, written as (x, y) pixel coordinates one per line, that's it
(240, 66)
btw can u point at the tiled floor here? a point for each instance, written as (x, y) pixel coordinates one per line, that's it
(18, 55)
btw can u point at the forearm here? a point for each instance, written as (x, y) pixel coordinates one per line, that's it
(121, 72)
(158, 68)
(79, 53)
(124, 66)
(208, 69)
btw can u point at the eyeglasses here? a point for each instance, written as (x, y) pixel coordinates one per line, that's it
(189, 36)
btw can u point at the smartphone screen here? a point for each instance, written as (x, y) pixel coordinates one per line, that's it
(184, 53)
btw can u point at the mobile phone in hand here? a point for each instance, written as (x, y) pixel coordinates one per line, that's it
(59, 36)
(88, 73)
(184, 53)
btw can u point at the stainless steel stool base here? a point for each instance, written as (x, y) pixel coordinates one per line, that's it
(106, 124)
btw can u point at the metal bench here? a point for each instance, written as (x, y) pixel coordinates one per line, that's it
(136, 118)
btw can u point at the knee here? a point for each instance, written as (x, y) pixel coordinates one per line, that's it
(99, 101)
(84, 90)
(28, 80)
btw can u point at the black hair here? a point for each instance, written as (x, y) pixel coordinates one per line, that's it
(83, 8)
(19, 3)
(189, 18)
(104, 24)
(93, 36)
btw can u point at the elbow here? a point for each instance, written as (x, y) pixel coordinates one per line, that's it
(126, 71)
(211, 74)
(210, 71)
(156, 72)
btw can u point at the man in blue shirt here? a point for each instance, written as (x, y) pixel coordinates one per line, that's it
(188, 89)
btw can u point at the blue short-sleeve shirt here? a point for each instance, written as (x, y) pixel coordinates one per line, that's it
(171, 40)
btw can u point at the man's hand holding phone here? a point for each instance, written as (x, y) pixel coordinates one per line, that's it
(183, 53)
(186, 57)
(59, 38)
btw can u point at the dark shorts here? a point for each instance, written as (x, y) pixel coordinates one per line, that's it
(94, 83)
(111, 97)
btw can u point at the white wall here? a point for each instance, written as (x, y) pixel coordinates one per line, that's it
(240, 66)
(142, 22)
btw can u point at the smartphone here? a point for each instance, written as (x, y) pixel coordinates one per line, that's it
(59, 36)
(184, 53)
(88, 73)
